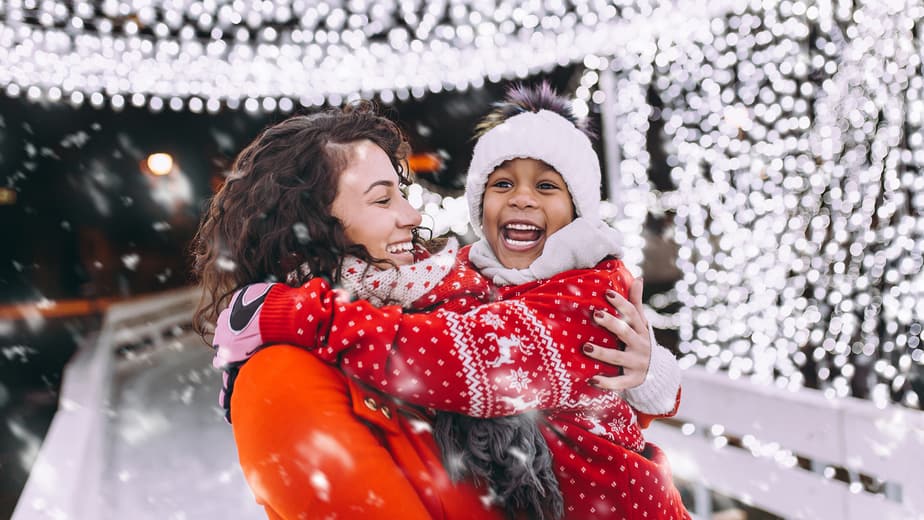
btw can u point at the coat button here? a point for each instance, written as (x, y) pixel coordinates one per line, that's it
(371, 404)
(386, 412)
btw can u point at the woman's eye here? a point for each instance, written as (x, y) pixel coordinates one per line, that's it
(384, 201)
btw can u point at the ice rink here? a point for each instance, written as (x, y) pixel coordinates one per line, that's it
(171, 454)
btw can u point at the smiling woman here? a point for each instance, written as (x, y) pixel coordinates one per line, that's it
(320, 195)
(371, 207)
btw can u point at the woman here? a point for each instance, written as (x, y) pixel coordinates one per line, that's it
(311, 442)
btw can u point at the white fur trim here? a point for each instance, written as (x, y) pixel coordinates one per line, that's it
(657, 395)
(581, 244)
(542, 135)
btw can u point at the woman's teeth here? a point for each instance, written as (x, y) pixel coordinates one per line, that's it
(404, 247)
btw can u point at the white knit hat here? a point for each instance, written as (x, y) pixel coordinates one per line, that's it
(542, 135)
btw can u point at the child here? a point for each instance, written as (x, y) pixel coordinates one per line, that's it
(533, 191)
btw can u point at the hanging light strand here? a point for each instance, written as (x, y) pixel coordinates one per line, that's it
(239, 54)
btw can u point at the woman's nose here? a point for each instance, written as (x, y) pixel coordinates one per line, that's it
(407, 215)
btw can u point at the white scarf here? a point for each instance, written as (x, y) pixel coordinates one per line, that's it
(397, 286)
(580, 245)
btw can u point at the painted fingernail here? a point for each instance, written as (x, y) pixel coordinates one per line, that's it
(588, 348)
(610, 293)
(599, 315)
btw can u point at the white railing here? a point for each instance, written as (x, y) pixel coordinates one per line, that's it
(833, 438)
(66, 478)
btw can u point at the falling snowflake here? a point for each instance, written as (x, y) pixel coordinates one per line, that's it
(226, 264)
(519, 379)
(75, 140)
(18, 352)
(131, 261)
(321, 485)
(301, 233)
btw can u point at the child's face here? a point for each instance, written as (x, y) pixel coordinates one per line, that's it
(525, 201)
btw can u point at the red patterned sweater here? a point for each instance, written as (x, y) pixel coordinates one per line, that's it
(517, 354)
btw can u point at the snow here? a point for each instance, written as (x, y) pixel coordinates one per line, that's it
(131, 261)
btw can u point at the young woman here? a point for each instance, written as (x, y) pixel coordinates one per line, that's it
(485, 363)
(311, 442)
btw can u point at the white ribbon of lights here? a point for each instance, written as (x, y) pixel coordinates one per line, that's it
(269, 55)
(797, 153)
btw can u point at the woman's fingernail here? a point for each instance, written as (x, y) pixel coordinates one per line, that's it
(641, 279)
(610, 293)
(594, 382)
(599, 315)
(588, 348)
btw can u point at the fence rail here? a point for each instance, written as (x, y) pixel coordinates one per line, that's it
(787, 452)
(65, 481)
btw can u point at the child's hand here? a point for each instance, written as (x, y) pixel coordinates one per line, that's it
(237, 332)
(631, 328)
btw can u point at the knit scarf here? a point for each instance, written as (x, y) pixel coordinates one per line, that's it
(581, 244)
(402, 285)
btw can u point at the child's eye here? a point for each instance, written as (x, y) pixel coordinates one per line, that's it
(502, 184)
(548, 186)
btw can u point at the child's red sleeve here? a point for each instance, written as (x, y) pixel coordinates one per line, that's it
(498, 359)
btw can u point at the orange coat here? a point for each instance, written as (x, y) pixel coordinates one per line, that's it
(314, 444)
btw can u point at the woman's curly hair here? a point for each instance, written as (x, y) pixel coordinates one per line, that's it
(272, 221)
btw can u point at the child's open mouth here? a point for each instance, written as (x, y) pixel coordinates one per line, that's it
(521, 236)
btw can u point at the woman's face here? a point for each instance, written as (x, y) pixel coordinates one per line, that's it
(371, 207)
(525, 201)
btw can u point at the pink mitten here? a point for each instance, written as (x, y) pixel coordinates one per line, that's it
(237, 333)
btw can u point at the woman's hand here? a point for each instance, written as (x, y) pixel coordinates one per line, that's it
(631, 327)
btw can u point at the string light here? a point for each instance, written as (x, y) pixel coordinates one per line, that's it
(794, 134)
(236, 52)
